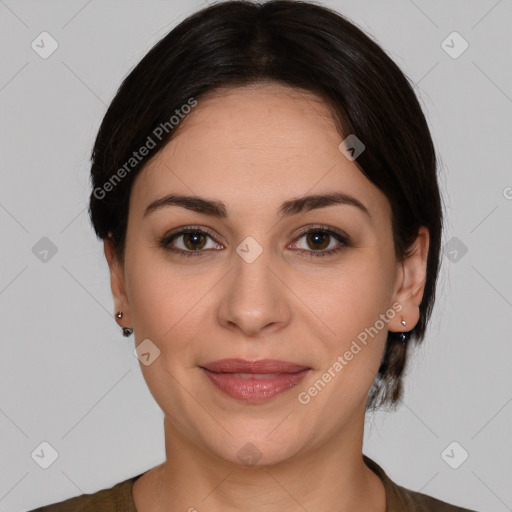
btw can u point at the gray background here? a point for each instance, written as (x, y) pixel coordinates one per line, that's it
(69, 378)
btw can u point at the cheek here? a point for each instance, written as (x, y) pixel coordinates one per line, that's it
(352, 296)
(357, 313)
(164, 310)
(356, 306)
(169, 307)
(158, 295)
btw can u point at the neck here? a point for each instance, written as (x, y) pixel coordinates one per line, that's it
(332, 478)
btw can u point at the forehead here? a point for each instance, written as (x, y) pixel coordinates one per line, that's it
(256, 146)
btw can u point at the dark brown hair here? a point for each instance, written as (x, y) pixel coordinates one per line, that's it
(305, 46)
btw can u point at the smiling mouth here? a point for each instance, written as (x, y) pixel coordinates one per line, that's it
(254, 381)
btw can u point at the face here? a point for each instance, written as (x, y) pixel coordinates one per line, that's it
(256, 272)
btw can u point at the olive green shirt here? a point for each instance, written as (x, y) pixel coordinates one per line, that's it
(119, 498)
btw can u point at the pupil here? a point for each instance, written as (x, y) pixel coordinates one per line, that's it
(191, 239)
(318, 238)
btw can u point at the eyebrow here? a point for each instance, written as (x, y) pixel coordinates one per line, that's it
(291, 207)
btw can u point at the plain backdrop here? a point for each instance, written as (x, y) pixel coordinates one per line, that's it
(69, 378)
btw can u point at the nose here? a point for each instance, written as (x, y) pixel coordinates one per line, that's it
(254, 300)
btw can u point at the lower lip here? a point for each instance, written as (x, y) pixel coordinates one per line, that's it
(252, 389)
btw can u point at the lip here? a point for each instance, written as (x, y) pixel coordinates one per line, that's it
(254, 381)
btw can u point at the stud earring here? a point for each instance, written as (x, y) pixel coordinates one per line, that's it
(127, 331)
(402, 336)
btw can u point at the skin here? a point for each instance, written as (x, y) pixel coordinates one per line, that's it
(254, 148)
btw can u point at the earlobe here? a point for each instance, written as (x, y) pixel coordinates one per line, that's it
(413, 279)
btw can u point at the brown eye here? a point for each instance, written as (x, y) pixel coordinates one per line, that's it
(194, 240)
(190, 242)
(321, 241)
(317, 240)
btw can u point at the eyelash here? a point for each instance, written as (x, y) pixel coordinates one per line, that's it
(343, 239)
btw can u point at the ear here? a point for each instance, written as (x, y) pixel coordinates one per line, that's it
(117, 283)
(410, 283)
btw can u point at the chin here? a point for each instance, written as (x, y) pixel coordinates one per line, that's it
(256, 448)
(260, 454)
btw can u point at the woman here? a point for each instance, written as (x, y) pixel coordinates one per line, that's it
(265, 185)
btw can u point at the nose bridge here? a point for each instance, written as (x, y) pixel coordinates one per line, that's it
(254, 296)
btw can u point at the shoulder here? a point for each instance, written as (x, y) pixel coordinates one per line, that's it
(400, 499)
(117, 497)
(422, 503)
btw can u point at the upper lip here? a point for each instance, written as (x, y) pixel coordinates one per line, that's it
(259, 366)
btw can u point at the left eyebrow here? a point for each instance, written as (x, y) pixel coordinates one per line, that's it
(291, 207)
(312, 202)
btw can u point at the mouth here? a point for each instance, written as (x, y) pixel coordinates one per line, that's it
(254, 381)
